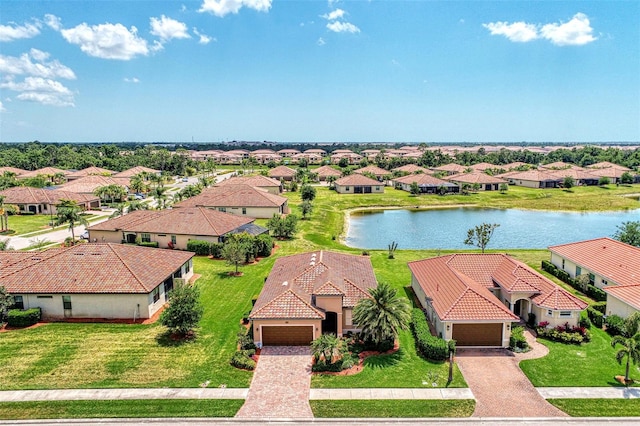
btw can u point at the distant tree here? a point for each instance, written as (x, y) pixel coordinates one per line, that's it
(414, 189)
(568, 182)
(306, 208)
(465, 188)
(604, 181)
(68, 211)
(629, 233)
(283, 226)
(480, 235)
(234, 252)
(476, 187)
(504, 188)
(184, 311)
(344, 162)
(626, 178)
(134, 205)
(307, 193)
(630, 342)
(331, 180)
(111, 193)
(119, 210)
(138, 183)
(6, 301)
(303, 162)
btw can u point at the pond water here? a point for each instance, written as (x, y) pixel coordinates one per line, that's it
(447, 228)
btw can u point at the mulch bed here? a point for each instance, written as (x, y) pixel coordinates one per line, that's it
(360, 365)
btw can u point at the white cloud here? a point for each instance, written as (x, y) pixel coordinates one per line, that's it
(520, 32)
(224, 7)
(131, 80)
(183, 8)
(41, 90)
(321, 42)
(107, 41)
(204, 39)
(342, 27)
(2, 108)
(167, 28)
(53, 22)
(334, 14)
(15, 32)
(35, 63)
(576, 32)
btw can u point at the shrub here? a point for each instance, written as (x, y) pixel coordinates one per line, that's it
(245, 342)
(565, 334)
(596, 317)
(600, 306)
(585, 322)
(153, 244)
(615, 325)
(517, 341)
(199, 247)
(215, 249)
(596, 294)
(20, 318)
(347, 361)
(242, 359)
(431, 347)
(264, 245)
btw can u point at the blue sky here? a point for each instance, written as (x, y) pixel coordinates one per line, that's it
(340, 71)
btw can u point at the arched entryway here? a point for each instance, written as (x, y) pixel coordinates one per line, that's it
(521, 308)
(330, 323)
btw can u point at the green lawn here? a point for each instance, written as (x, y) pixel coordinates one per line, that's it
(590, 364)
(23, 224)
(598, 407)
(393, 408)
(120, 408)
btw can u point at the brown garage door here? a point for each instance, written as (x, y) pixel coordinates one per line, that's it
(477, 334)
(287, 335)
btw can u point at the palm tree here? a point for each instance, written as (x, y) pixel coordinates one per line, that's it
(69, 211)
(382, 315)
(327, 348)
(4, 215)
(137, 205)
(161, 196)
(119, 210)
(630, 342)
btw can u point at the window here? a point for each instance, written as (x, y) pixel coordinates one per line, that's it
(605, 282)
(347, 318)
(174, 240)
(562, 263)
(565, 314)
(18, 302)
(346, 188)
(168, 286)
(222, 209)
(592, 279)
(45, 297)
(244, 210)
(578, 271)
(377, 188)
(549, 313)
(187, 267)
(145, 238)
(66, 302)
(156, 294)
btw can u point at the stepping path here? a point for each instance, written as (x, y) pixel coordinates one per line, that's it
(500, 387)
(280, 385)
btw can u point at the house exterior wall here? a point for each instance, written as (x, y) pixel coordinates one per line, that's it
(554, 318)
(526, 183)
(258, 324)
(120, 306)
(257, 212)
(616, 306)
(162, 239)
(571, 268)
(332, 304)
(431, 314)
(348, 189)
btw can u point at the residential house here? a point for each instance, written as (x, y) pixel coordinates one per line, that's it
(486, 182)
(89, 184)
(89, 171)
(51, 174)
(358, 184)
(474, 298)
(428, 184)
(112, 281)
(310, 158)
(609, 264)
(288, 152)
(316, 151)
(241, 200)
(481, 167)
(309, 294)
(258, 181)
(173, 228)
(129, 173)
(535, 178)
(450, 169)
(44, 201)
(325, 171)
(607, 164)
(351, 157)
(13, 170)
(282, 173)
(376, 171)
(411, 169)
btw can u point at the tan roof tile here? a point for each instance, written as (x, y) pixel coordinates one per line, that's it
(28, 195)
(356, 179)
(282, 171)
(234, 196)
(89, 184)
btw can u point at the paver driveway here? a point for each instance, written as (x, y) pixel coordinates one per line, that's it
(280, 385)
(500, 387)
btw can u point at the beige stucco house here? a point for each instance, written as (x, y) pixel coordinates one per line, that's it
(44, 201)
(358, 184)
(309, 294)
(257, 181)
(111, 281)
(474, 298)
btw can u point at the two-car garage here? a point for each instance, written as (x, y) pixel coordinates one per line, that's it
(478, 334)
(287, 335)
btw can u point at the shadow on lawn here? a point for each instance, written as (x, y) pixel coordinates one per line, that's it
(168, 339)
(384, 361)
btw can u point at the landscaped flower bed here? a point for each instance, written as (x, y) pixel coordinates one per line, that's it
(564, 333)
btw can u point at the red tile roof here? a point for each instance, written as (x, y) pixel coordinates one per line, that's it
(15, 170)
(258, 181)
(412, 168)
(89, 184)
(475, 177)
(28, 195)
(91, 171)
(327, 171)
(451, 167)
(607, 164)
(356, 179)
(282, 171)
(45, 171)
(293, 281)
(423, 179)
(233, 196)
(374, 170)
(90, 268)
(630, 294)
(136, 170)
(481, 167)
(617, 262)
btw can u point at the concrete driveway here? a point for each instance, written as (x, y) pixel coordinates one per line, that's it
(280, 385)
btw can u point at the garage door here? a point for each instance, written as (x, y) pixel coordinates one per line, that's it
(287, 335)
(477, 334)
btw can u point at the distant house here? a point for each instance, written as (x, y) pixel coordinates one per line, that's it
(481, 167)
(13, 170)
(51, 174)
(536, 178)
(614, 174)
(376, 171)
(450, 169)
(89, 184)
(89, 171)
(427, 184)
(111, 281)
(257, 181)
(309, 157)
(316, 151)
(310, 294)
(282, 173)
(474, 298)
(325, 171)
(288, 152)
(411, 169)
(559, 165)
(44, 201)
(486, 182)
(129, 173)
(579, 176)
(241, 200)
(358, 184)
(173, 228)
(351, 157)
(607, 164)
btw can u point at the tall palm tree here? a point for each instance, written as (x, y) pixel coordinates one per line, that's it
(327, 348)
(630, 342)
(69, 211)
(4, 215)
(134, 205)
(161, 196)
(382, 315)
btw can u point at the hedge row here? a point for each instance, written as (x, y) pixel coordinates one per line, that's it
(596, 317)
(259, 245)
(592, 291)
(20, 318)
(429, 346)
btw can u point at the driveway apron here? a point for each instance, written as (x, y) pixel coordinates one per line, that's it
(280, 385)
(500, 387)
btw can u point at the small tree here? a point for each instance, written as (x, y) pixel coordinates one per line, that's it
(568, 182)
(283, 227)
(184, 310)
(626, 178)
(392, 249)
(503, 188)
(630, 342)
(480, 235)
(307, 193)
(5, 244)
(629, 233)
(234, 252)
(344, 162)
(69, 211)
(327, 348)
(331, 179)
(6, 300)
(603, 181)
(306, 208)
(414, 189)
(476, 187)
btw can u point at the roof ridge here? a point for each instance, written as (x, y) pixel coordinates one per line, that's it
(206, 218)
(126, 265)
(296, 295)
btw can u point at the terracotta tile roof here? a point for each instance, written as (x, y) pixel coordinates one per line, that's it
(423, 179)
(374, 170)
(15, 170)
(258, 181)
(234, 196)
(45, 171)
(356, 179)
(90, 268)
(412, 168)
(327, 171)
(28, 195)
(514, 165)
(451, 167)
(535, 175)
(89, 184)
(481, 167)
(282, 171)
(459, 286)
(303, 275)
(610, 172)
(558, 165)
(180, 221)
(90, 171)
(617, 262)
(606, 165)
(475, 177)
(630, 294)
(577, 174)
(136, 170)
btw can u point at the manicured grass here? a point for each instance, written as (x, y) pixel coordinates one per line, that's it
(120, 408)
(590, 364)
(393, 408)
(23, 224)
(598, 407)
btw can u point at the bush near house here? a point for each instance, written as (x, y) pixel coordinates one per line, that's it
(199, 247)
(564, 333)
(517, 341)
(242, 359)
(153, 244)
(596, 317)
(615, 325)
(20, 318)
(592, 291)
(431, 347)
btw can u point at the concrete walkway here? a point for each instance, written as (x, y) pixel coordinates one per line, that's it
(112, 394)
(391, 393)
(588, 393)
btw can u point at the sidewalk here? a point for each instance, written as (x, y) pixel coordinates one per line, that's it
(588, 393)
(112, 394)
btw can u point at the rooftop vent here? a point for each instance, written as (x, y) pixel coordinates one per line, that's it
(285, 283)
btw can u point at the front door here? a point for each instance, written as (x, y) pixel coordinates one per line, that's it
(330, 323)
